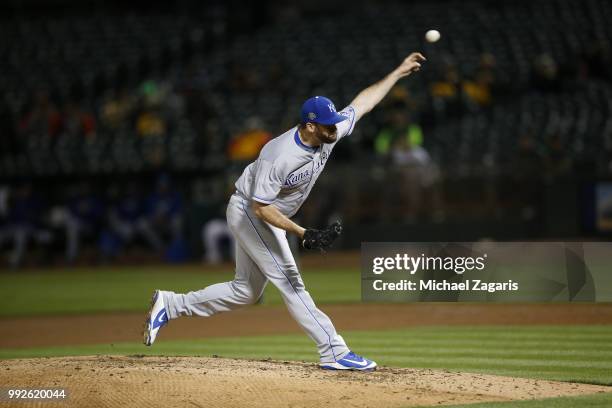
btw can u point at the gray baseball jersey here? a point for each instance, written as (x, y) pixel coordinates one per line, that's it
(287, 169)
(283, 174)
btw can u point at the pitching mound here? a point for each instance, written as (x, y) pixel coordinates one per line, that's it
(114, 381)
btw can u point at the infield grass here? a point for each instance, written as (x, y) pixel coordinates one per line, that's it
(568, 353)
(585, 401)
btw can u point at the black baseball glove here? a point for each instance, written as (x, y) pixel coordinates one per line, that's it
(321, 239)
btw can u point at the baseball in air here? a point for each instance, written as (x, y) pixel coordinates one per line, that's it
(432, 36)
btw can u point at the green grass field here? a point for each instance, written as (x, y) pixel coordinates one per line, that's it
(565, 353)
(127, 289)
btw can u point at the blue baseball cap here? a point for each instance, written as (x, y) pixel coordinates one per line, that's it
(320, 109)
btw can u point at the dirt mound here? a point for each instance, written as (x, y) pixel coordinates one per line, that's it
(112, 381)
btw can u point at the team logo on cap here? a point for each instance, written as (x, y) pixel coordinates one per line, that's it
(312, 116)
(331, 107)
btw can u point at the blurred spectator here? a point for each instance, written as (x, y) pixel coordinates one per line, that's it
(399, 98)
(400, 143)
(478, 91)
(152, 94)
(84, 219)
(398, 127)
(209, 201)
(545, 74)
(163, 212)
(77, 122)
(127, 219)
(446, 91)
(117, 109)
(25, 221)
(150, 123)
(418, 178)
(214, 234)
(43, 118)
(247, 144)
(173, 106)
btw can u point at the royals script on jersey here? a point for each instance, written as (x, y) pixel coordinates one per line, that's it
(286, 168)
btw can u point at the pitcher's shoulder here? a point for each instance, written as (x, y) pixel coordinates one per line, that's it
(280, 148)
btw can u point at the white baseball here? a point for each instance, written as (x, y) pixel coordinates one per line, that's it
(432, 36)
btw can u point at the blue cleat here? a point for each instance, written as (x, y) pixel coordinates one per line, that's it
(350, 362)
(157, 318)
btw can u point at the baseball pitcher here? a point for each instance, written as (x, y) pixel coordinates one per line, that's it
(268, 193)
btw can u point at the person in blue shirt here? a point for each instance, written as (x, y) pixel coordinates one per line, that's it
(85, 216)
(24, 222)
(163, 213)
(128, 218)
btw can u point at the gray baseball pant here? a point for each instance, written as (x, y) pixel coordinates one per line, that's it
(262, 255)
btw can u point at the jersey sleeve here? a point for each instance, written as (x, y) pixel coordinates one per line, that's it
(268, 182)
(345, 127)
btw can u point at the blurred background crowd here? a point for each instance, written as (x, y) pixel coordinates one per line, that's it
(123, 127)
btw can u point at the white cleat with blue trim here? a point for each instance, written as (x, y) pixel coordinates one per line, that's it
(156, 318)
(350, 362)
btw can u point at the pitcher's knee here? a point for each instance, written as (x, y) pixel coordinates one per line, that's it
(294, 279)
(245, 294)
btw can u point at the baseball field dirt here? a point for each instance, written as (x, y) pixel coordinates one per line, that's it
(24, 332)
(113, 381)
